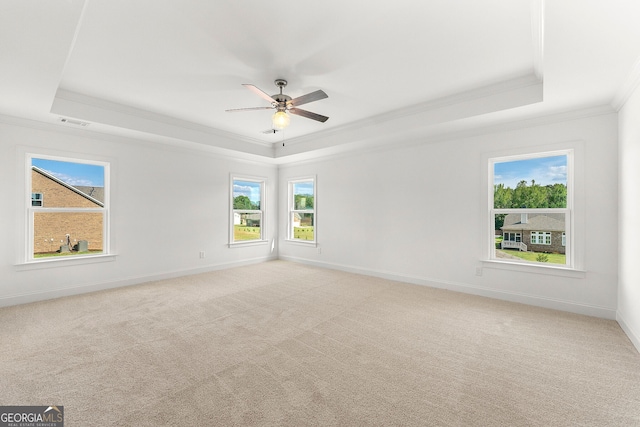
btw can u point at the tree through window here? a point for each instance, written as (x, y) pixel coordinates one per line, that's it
(247, 210)
(302, 210)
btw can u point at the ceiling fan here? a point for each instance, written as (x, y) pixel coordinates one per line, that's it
(284, 104)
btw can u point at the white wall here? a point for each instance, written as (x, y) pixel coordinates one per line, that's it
(416, 214)
(629, 219)
(168, 204)
(413, 213)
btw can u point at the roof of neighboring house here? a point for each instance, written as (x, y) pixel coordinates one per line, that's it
(535, 222)
(95, 192)
(252, 215)
(70, 187)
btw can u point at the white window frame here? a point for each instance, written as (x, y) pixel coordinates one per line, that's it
(263, 196)
(568, 211)
(541, 238)
(291, 210)
(31, 210)
(517, 236)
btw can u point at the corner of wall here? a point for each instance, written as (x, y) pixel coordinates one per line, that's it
(634, 337)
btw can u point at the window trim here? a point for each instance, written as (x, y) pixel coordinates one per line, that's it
(573, 261)
(263, 196)
(291, 210)
(28, 258)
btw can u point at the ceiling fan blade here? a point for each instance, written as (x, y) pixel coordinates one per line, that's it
(235, 110)
(259, 92)
(310, 97)
(308, 114)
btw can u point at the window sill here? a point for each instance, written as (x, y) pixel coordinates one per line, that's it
(64, 262)
(302, 242)
(248, 243)
(535, 269)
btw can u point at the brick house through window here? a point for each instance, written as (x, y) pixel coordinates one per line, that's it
(543, 232)
(55, 227)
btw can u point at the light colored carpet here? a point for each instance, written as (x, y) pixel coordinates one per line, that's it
(283, 344)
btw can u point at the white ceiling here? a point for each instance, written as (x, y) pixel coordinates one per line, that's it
(167, 70)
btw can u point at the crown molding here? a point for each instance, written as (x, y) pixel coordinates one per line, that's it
(628, 87)
(443, 133)
(100, 133)
(435, 134)
(116, 118)
(505, 95)
(100, 111)
(504, 87)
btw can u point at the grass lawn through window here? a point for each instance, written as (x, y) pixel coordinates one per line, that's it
(243, 232)
(303, 233)
(57, 254)
(533, 256)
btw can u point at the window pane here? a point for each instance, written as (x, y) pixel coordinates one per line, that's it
(36, 199)
(246, 195)
(67, 184)
(303, 226)
(246, 226)
(303, 195)
(67, 233)
(531, 183)
(531, 236)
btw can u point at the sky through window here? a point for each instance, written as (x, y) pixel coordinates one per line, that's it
(544, 170)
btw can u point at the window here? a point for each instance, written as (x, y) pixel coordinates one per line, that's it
(247, 214)
(540, 238)
(530, 208)
(36, 199)
(302, 209)
(67, 209)
(512, 237)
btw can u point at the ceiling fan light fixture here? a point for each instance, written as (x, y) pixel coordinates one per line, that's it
(280, 120)
(284, 104)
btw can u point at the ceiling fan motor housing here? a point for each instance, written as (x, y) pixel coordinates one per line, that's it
(282, 100)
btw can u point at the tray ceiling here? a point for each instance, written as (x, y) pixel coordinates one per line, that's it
(168, 70)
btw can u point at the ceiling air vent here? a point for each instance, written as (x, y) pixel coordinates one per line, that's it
(73, 122)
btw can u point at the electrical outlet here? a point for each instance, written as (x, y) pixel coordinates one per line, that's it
(319, 251)
(202, 254)
(478, 271)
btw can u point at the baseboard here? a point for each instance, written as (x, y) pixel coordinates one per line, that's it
(26, 298)
(633, 336)
(534, 300)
